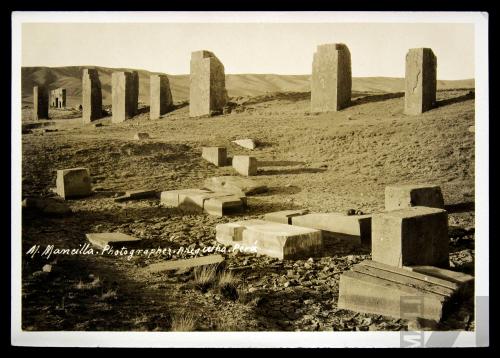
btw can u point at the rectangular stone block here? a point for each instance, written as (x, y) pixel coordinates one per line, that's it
(207, 85)
(352, 229)
(215, 155)
(91, 96)
(125, 95)
(245, 165)
(73, 183)
(412, 236)
(272, 239)
(284, 216)
(420, 81)
(112, 239)
(184, 264)
(200, 200)
(160, 96)
(331, 80)
(40, 103)
(376, 288)
(407, 195)
(235, 185)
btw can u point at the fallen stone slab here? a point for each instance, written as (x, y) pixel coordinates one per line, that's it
(73, 183)
(409, 237)
(136, 195)
(215, 155)
(245, 143)
(184, 264)
(376, 288)
(271, 239)
(284, 216)
(203, 201)
(46, 206)
(141, 136)
(102, 240)
(352, 229)
(408, 195)
(235, 185)
(245, 165)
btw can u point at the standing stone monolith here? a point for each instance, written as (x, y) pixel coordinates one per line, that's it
(91, 96)
(40, 103)
(160, 96)
(125, 95)
(420, 81)
(207, 85)
(331, 80)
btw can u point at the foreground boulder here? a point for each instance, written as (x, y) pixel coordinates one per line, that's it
(272, 239)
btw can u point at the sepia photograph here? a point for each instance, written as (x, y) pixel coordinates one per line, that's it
(266, 179)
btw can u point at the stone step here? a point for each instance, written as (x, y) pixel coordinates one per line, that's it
(373, 287)
(184, 264)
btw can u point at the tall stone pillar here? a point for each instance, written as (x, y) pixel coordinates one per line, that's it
(91, 96)
(420, 81)
(125, 95)
(40, 103)
(207, 85)
(160, 96)
(331, 81)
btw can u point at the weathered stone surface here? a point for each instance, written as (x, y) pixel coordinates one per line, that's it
(125, 95)
(135, 195)
(412, 236)
(160, 96)
(245, 165)
(200, 200)
(284, 216)
(111, 239)
(405, 196)
(464, 281)
(215, 155)
(73, 183)
(207, 85)
(141, 136)
(272, 239)
(235, 185)
(420, 81)
(331, 80)
(246, 143)
(353, 229)
(58, 98)
(46, 206)
(184, 264)
(40, 103)
(91, 96)
(372, 287)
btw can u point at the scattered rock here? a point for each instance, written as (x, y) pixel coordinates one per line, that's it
(141, 136)
(472, 129)
(351, 212)
(47, 268)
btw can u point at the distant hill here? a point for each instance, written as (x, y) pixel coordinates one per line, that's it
(237, 85)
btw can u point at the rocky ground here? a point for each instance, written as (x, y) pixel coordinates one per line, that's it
(322, 162)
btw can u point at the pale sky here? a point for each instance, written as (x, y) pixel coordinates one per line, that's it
(280, 48)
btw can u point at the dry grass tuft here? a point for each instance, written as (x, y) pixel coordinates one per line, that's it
(184, 322)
